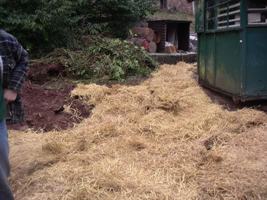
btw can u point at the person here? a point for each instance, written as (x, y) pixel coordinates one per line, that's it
(13, 69)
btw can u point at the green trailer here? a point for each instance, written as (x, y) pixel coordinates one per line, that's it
(232, 47)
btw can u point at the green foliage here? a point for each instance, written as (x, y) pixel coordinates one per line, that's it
(47, 24)
(104, 59)
(118, 15)
(39, 23)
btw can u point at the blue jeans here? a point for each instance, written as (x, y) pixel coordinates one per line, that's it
(5, 192)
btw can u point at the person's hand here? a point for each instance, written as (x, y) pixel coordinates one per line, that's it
(10, 95)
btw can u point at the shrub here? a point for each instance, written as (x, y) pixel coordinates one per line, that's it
(42, 25)
(103, 58)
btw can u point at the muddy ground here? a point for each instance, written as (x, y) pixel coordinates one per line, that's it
(47, 101)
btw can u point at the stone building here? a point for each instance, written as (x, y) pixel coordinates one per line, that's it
(177, 5)
(170, 26)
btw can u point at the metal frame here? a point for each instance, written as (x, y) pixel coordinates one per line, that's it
(231, 58)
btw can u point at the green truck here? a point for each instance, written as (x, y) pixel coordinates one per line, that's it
(232, 47)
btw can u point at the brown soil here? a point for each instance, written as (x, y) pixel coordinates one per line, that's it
(41, 73)
(51, 109)
(47, 102)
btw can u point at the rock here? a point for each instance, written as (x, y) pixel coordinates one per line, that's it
(140, 42)
(170, 49)
(143, 32)
(152, 47)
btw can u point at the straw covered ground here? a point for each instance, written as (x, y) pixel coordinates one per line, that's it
(164, 139)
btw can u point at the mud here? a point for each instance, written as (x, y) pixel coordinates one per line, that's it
(40, 73)
(51, 109)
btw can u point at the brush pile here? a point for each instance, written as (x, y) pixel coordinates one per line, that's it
(166, 138)
(99, 58)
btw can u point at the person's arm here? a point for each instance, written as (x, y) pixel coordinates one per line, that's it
(19, 71)
(18, 74)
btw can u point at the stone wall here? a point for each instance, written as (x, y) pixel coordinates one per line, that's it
(179, 5)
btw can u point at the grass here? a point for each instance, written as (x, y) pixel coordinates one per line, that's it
(165, 139)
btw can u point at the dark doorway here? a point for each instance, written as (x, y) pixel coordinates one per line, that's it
(163, 4)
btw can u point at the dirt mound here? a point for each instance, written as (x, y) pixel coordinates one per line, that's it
(41, 72)
(51, 109)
